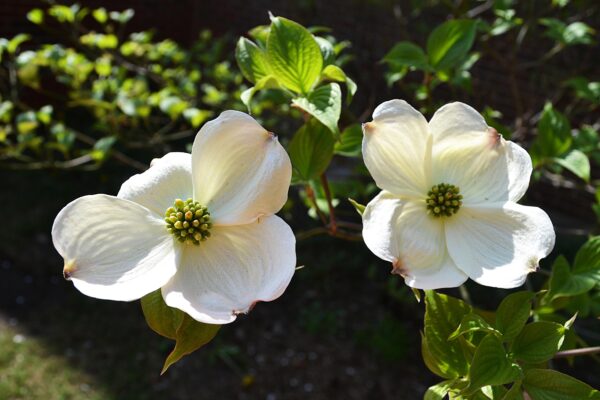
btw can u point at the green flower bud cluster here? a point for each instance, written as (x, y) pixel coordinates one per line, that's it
(443, 200)
(188, 221)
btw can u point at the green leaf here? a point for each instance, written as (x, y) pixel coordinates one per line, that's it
(252, 60)
(100, 15)
(360, 209)
(512, 314)
(196, 116)
(572, 34)
(407, 54)
(266, 82)
(350, 143)
(563, 283)
(190, 336)
(102, 147)
(438, 391)
(515, 392)
(325, 104)
(44, 115)
(491, 365)
(173, 106)
(443, 315)
(14, 43)
(163, 319)
(36, 16)
(576, 162)
(327, 50)
(63, 13)
(294, 55)
(26, 122)
(538, 341)
(472, 323)
(554, 135)
(587, 260)
(123, 16)
(450, 43)
(311, 150)
(546, 384)
(585, 89)
(335, 73)
(100, 40)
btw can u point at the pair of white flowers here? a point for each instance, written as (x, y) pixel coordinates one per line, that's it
(201, 227)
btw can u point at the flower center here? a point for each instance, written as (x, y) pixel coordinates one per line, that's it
(443, 200)
(188, 221)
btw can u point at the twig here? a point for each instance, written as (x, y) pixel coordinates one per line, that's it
(332, 222)
(311, 195)
(125, 159)
(578, 352)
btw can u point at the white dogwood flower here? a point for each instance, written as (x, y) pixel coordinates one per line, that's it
(201, 227)
(447, 210)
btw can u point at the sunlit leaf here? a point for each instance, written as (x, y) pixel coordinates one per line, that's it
(443, 315)
(294, 55)
(252, 60)
(324, 103)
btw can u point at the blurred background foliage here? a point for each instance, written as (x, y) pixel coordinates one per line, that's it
(91, 92)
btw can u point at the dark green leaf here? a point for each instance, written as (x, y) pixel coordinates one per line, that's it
(585, 89)
(325, 104)
(515, 392)
(450, 43)
(294, 55)
(572, 34)
(266, 82)
(512, 314)
(564, 283)
(350, 143)
(587, 260)
(538, 342)
(407, 54)
(546, 384)
(311, 150)
(491, 365)
(554, 135)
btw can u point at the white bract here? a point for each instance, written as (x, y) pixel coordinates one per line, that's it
(201, 227)
(447, 210)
